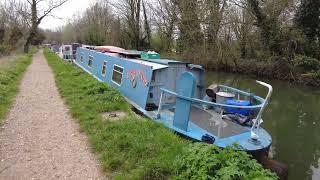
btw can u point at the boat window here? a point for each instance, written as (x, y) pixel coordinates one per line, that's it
(153, 78)
(67, 48)
(117, 74)
(104, 68)
(81, 58)
(90, 62)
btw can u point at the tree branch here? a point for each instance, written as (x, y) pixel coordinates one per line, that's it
(48, 11)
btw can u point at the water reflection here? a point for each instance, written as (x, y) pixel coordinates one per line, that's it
(315, 170)
(292, 118)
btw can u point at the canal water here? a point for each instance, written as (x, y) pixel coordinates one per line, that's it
(292, 118)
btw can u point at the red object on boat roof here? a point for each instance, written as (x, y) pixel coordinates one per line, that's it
(109, 49)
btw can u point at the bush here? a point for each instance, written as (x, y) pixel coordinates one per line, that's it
(307, 63)
(202, 161)
(313, 75)
(5, 49)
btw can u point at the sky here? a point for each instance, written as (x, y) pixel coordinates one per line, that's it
(63, 14)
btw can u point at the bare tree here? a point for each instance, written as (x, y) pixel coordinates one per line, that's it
(137, 27)
(13, 24)
(2, 23)
(216, 9)
(166, 18)
(190, 31)
(99, 22)
(37, 17)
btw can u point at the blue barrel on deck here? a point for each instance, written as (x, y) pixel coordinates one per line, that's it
(235, 102)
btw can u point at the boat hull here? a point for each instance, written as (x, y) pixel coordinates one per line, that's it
(138, 82)
(241, 141)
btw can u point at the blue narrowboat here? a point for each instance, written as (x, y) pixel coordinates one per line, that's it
(68, 51)
(173, 93)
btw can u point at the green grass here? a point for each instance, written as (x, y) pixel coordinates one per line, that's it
(130, 148)
(11, 73)
(136, 148)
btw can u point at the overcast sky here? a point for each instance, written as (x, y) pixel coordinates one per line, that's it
(65, 12)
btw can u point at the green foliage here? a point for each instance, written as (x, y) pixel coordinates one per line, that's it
(202, 161)
(268, 26)
(171, 55)
(95, 36)
(189, 27)
(38, 38)
(5, 49)
(137, 148)
(68, 33)
(292, 41)
(308, 19)
(316, 75)
(307, 63)
(157, 43)
(313, 75)
(10, 76)
(15, 34)
(162, 42)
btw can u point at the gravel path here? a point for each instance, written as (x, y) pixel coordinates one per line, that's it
(39, 139)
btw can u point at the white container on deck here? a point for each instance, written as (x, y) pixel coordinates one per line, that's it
(222, 97)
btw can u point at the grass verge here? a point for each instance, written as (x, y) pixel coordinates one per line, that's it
(10, 75)
(135, 148)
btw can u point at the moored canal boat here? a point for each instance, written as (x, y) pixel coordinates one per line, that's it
(173, 93)
(68, 51)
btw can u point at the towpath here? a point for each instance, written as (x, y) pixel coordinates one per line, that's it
(39, 139)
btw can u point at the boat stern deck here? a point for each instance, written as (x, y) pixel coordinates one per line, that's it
(209, 122)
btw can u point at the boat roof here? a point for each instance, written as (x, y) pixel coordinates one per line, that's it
(155, 66)
(111, 49)
(130, 52)
(154, 63)
(164, 61)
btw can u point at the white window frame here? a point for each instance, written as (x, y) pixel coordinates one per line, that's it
(117, 72)
(89, 61)
(102, 68)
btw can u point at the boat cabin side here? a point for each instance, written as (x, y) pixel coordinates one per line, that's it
(168, 77)
(131, 78)
(55, 48)
(65, 52)
(68, 51)
(138, 80)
